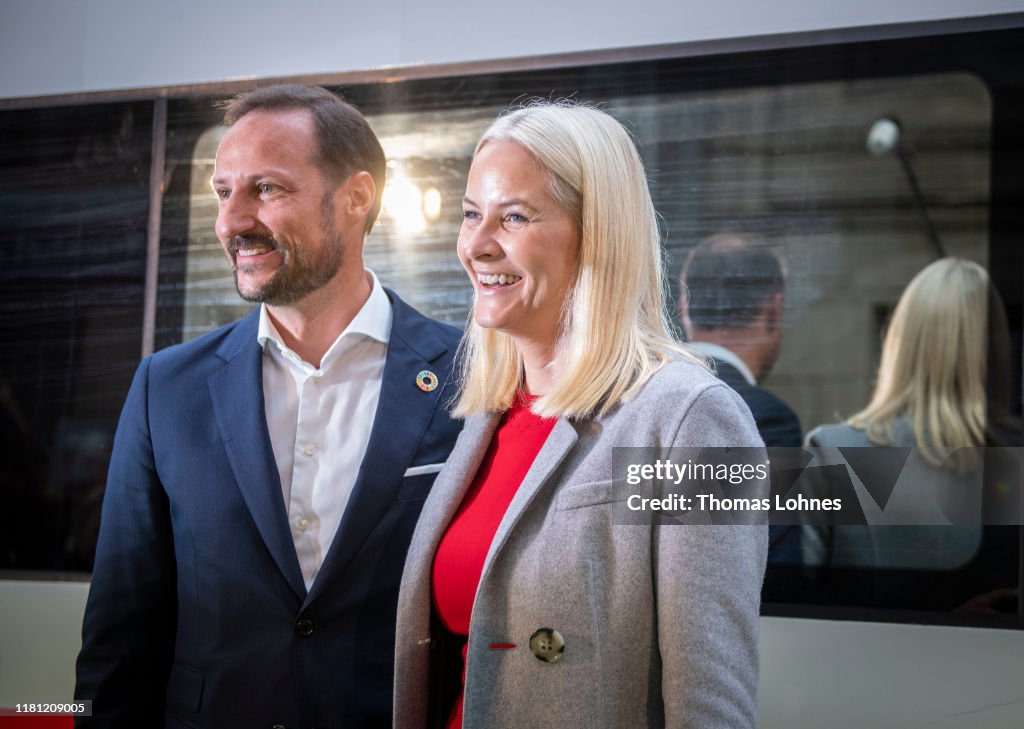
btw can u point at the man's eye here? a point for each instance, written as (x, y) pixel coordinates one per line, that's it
(222, 193)
(265, 187)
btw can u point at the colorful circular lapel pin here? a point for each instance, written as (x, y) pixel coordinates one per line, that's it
(426, 380)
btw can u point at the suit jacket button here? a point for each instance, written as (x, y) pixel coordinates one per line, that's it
(547, 644)
(279, 726)
(304, 627)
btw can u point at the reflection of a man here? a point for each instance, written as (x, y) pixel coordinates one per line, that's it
(941, 391)
(732, 312)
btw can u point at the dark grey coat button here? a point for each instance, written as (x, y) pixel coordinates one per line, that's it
(304, 627)
(279, 726)
(547, 644)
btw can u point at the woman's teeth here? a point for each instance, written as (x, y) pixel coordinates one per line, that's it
(495, 279)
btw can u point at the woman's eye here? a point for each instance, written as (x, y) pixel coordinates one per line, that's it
(516, 220)
(222, 193)
(470, 215)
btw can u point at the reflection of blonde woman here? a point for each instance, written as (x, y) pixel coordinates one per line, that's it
(941, 387)
(931, 380)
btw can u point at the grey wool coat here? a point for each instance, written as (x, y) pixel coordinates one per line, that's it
(660, 622)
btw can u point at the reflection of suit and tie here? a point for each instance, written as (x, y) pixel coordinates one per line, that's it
(199, 615)
(779, 427)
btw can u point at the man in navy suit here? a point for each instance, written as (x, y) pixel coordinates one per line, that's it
(266, 477)
(732, 312)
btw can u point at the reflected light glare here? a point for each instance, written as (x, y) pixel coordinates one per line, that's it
(403, 201)
(432, 204)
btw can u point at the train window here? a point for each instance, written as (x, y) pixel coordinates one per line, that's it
(74, 200)
(854, 164)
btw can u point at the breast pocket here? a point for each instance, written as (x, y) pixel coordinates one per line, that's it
(582, 495)
(416, 487)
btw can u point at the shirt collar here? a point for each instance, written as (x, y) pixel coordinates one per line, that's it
(372, 320)
(726, 355)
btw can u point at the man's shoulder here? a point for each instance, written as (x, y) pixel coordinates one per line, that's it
(206, 347)
(757, 396)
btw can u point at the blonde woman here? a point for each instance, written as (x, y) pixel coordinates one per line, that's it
(941, 389)
(572, 620)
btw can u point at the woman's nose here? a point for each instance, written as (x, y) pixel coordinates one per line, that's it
(479, 242)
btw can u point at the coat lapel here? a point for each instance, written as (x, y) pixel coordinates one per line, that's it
(403, 413)
(450, 488)
(237, 394)
(558, 445)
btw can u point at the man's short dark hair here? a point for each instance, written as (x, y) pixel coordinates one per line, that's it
(346, 143)
(730, 281)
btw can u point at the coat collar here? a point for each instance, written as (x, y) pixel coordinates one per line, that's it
(473, 443)
(554, 451)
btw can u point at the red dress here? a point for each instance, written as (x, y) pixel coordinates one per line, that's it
(460, 556)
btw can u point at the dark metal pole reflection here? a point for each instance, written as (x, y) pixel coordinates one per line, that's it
(885, 137)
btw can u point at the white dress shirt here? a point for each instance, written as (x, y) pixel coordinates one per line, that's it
(726, 355)
(320, 421)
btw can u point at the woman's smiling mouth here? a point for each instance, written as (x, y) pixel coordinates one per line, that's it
(497, 280)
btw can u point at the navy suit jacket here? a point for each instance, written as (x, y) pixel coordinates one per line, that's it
(197, 614)
(778, 425)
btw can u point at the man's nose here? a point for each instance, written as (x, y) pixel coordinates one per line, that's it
(236, 216)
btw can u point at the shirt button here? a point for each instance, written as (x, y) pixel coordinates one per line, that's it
(547, 644)
(302, 523)
(309, 450)
(304, 627)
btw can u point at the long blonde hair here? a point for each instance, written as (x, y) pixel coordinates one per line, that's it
(614, 333)
(933, 370)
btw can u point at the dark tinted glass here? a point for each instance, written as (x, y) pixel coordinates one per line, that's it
(73, 210)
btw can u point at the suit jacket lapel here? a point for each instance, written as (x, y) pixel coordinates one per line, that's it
(237, 394)
(411, 666)
(403, 413)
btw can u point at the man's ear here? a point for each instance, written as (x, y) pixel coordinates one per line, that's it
(360, 192)
(684, 320)
(683, 308)
(773, 312)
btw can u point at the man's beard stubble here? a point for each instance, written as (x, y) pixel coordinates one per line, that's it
(300, 273)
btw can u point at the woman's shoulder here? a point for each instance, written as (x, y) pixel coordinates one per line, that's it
(836, 435)
(680, 378)
(900, 433)
(683, 391)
